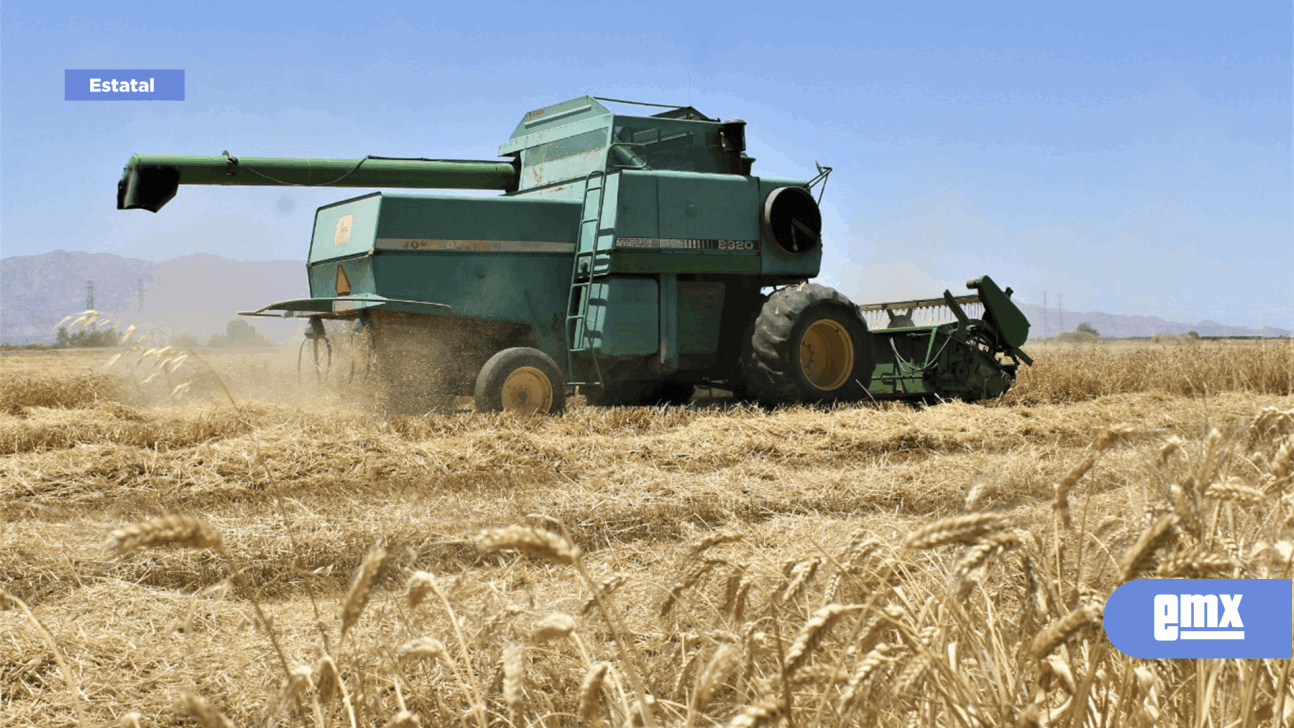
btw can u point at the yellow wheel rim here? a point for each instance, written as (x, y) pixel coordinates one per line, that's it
(826, 355)
(527, 391)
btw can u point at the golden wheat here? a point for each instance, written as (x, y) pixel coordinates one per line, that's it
(177, 531)
(591, 691)
(812, 633)
(422, 648)
(1062, 629)
(956, 530)
(534, 541)
(553, 626)
(203, 713)
(361, 588)
(1138, 557)
(765, 504)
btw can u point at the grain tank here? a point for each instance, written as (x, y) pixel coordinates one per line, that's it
(634, 257)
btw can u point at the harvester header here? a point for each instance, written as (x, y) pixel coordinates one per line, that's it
(633, 256)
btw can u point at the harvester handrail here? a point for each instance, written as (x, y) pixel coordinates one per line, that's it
(640, 103)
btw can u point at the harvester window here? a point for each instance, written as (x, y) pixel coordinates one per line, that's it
(674, 146)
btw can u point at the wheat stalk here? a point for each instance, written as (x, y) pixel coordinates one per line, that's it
(964, 529)
(69, 679)
(762, 712)
(605, 588)
(1233, 491)
(813, 632)
(859, 681)
(716, 671)
(419, 586)
(422, 648)
(202, 712)
(534, 541)
(178, 531)
(1062, 629)
(691, 576)
(993, 545)
(1138, 557)
(801, 574)
(1114, 436)
(514, 668)
(361, 588)
(329, 679)
(911, 673)
(1195, 562)
(553, 626)
(591, 691)
(404, 719)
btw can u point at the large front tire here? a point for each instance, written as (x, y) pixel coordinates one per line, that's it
(521, 380)
(808, 344)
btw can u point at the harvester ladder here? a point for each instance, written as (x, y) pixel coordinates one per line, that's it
(577, 305)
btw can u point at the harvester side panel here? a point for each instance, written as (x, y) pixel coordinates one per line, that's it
(700, 312)
(635, 212)
(495, 259)
(624, 317)
(709, 207)
(565, 160)
(354, 279)
(345, 229)
(673, 222)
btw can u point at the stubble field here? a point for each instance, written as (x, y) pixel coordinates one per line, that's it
(714, 564)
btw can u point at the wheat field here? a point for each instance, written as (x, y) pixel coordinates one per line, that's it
(192, 539)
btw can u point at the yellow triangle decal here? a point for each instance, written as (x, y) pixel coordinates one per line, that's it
(343, 283)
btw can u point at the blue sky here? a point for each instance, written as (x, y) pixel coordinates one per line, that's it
(1133, 156)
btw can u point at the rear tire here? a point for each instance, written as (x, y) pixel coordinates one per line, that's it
(522, 380)
(808, 344)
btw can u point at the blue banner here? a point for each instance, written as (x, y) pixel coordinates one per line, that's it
(123, 85)
(1186, 618)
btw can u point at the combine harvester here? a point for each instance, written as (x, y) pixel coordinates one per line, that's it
(628, 256)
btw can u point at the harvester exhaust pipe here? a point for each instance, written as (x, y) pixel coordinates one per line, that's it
(149, 181)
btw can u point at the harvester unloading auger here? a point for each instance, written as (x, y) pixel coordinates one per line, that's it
(628, 257)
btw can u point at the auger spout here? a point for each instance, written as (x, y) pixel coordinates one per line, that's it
(149, 181)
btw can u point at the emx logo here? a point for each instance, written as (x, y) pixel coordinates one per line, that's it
(1201, 611)
(1167, 618)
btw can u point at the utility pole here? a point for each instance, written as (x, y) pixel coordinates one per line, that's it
(1061, 313)
(140, 297)
(89, 295)
(1044, 314)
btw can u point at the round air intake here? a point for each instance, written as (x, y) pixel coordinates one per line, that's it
(791, 219)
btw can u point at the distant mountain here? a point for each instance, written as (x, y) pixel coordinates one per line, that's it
(198, 294)
(1121, 326)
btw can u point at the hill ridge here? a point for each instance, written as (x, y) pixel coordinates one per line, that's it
(200, 293)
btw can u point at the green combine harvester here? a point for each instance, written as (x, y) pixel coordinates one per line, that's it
(629, 256)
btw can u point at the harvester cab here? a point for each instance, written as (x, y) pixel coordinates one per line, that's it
(629, 256)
